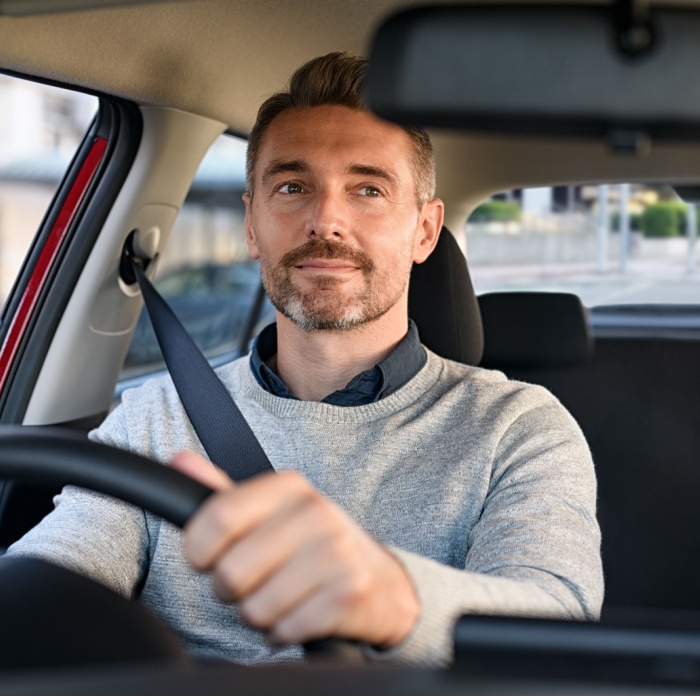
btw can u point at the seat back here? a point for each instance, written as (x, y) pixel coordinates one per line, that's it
(442, 303)
(534, 329)
(636, 402)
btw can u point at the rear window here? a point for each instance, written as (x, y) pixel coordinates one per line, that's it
(628, 251)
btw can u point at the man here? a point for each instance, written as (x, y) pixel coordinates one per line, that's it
(409, 489)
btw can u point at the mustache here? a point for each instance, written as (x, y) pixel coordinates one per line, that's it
(325, 250)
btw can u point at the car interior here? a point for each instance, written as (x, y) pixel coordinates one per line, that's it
(506, 110)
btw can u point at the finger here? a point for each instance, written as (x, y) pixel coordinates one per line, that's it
(277, 549)
(350, 588)
(320, 615)
(288, 587)
(230, 515)
(196, 467)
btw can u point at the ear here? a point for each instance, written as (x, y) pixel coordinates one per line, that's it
(250, 237)
(429, 226)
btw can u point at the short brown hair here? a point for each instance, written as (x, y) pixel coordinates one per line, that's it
(336, 79)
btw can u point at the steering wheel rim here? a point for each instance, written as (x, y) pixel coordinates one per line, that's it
(81, 621)
(59, 456)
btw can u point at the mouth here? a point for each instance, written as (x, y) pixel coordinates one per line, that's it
(326, 266)
(320, 257)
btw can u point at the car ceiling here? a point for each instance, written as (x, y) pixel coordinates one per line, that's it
(218, 58)
(221, 58)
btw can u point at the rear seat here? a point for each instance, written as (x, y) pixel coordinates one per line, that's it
(534, 330)
(636, 402)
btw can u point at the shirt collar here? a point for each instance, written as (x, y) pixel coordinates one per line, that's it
(400, 366)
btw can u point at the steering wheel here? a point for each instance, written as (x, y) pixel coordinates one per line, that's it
(53, 616)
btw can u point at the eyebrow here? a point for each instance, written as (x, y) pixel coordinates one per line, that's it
(372, 171)
(284, 166)
(301, 166)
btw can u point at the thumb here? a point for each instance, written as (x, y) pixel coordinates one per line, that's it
(196, 467)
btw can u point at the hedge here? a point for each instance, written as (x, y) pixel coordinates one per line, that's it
(496, 210)
(664, 220)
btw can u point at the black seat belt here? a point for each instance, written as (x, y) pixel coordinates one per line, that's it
(220, 426)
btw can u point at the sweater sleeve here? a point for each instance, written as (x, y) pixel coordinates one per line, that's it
(94, 535)
(535, 551)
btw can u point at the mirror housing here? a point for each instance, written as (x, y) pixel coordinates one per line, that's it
(571, 70)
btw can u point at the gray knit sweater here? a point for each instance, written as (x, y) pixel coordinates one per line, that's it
(483, 488)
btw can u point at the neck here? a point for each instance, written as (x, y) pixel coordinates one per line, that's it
(315, 364)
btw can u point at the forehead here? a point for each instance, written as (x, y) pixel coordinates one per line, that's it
(332, 137)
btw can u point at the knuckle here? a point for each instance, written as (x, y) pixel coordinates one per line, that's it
(220, 517)
(354, 588)
(339, 546)
(295, 481)
(229, 581)
(361, 583)
(323, 511)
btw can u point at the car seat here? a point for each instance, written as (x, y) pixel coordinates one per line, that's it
(443, 305)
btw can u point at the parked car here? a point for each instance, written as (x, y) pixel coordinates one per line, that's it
(173, 75)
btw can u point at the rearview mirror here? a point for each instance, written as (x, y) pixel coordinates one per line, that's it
(547, 69)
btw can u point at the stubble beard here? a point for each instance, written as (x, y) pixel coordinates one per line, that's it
(324, 306)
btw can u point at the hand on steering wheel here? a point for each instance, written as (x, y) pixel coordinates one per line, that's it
(57, 457)
(299, 567)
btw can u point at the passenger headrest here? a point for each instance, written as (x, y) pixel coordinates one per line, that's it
(534, 330)
(442, 303)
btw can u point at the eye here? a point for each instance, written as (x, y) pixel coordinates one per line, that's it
(370, 191)
(290, 188)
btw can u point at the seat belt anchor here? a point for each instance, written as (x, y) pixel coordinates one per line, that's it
(132, 256)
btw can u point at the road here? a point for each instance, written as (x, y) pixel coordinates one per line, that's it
(647, 281)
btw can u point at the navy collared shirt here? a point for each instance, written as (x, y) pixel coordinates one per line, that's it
(402, 364)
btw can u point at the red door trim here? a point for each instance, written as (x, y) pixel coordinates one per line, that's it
(47, 257)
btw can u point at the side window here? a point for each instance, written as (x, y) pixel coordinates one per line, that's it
(205, 272)
(629, 252)
(40, 130)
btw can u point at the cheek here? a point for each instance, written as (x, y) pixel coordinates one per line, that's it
(277, 221)
(268, 235)
(395, 260)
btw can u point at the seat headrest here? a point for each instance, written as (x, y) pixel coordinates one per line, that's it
(442, 303)
(534, 330)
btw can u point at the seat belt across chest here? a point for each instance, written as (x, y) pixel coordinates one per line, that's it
(220, 426)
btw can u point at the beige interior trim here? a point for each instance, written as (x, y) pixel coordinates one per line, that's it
(95, 330)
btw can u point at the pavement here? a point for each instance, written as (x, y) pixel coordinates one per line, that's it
(659, 281)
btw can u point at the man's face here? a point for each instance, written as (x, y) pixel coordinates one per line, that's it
(334, 219)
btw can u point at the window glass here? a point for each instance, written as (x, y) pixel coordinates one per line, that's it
(621, 248)
(205, 272)
(41, 127)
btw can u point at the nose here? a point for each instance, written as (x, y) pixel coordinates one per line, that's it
(329, 218)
